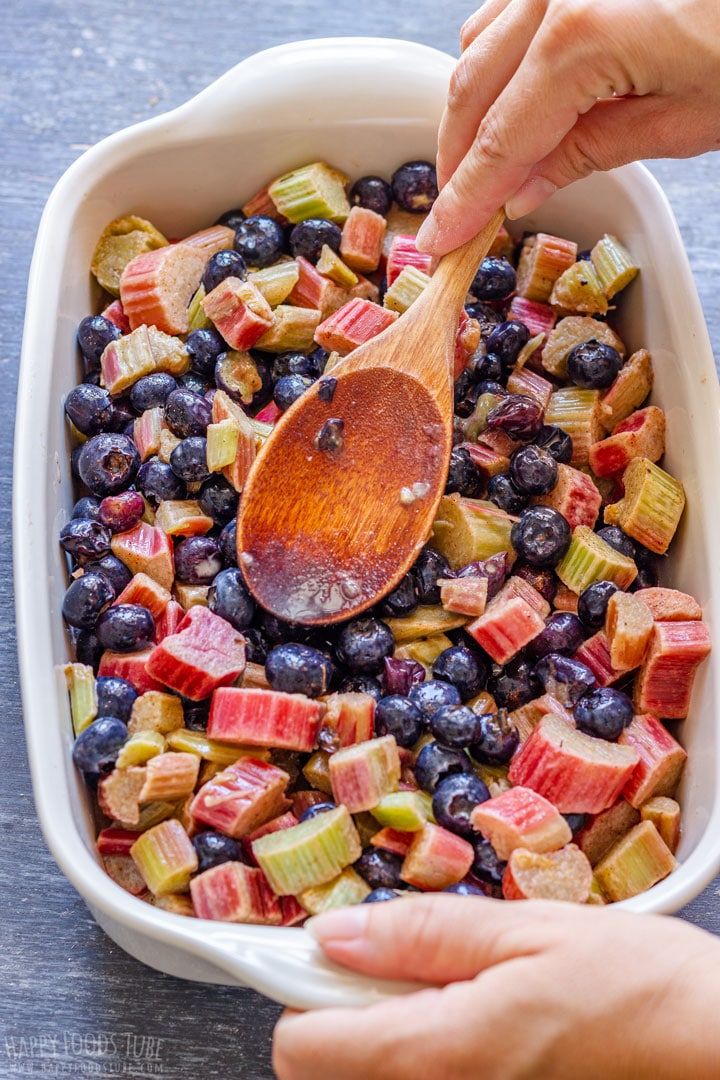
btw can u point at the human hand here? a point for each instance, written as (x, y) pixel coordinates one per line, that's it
(548, 91)
(524, 990)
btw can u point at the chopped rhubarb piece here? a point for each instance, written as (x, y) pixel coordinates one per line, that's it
(575, 496)
(506, 627)
(670, 605)
(140, 748)
(543, 259)
(632, 385)
(595, 654)
(529, 383)
(205, 653)
(313, 290)
(571, 331)
(170, 776)
(361, 774)
(651, 506)
(261, 203)
(527, 717)
(467, 339)
(208, 241)
(565, 599)
(115, 841)
(641, 435)
(239, 311)
(396, 840)
(362, 239)
(176, 904)
(520, 817)
(168, 622)
(283, 821)
(165, 857)
(488, 461)
(292, 330)
(465, 596)
(234, 892)
(469, 530)
(403, 252)
(665, 680)
(436, 858)
(265, 718)
(169, 352)
(347, 888)
(499, 441)
(156, 711)
(556, 875)
(125, 873)
(182, 517)
(303, 800)
(635, 863)
(224, 408)
(602, 830)
(578, 773)
(157, 286)
(309, 854)
(665, 816)
(131, 667)
(353, 324)
(661, 762)
(80, 682)
(628, 626)
(351, 716)
(518, 586)
(404, 810)
(119, 794)
(142, 589)
(270, 414)
(364, 289)
(115, 313)
(147, 550)
(538, 317)
(292, 914)
(126, 360)
(146, 432)
(242, 797)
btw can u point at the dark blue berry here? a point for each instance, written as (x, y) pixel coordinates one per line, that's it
(396, 715)
(494, 570)
(486, 315)
(464, 888)
(361, 684)
(565, 678)
(431, 695)
(218, 499)
(298, 669)
(456, 726)
(85, 539)
(115, 697)
(259, 240)
(465, 394)
(125, 628)
(533, 470)
(376, 896)
(214, 848)
(289, 388)
(196, 714)
(486, 366)
(228, 543)
(85, 598)
(518, 416)
(593, 602)
(399, 676)
(237, 374)
(556, 441)
(464, 475)
(373, 193)
(401, 601)
(223, 264)
(506, 340)
(494, 280)
(592, 365)
(197, 384)
(113, 570)
(296, 363)
(316, 809)
(90, 408)
(487, 866)
(108, 463)
(308, 237)
(231, 218)
(435, 763)
(381, 869)
(454, 800)
(497, 741)
(87, 507)
(604, 713)
(204, 346)
(187, 413)
(414, 186)
(363, 644)
(541, 578)
(427, 568)
(152, 391)
(97, 747)
(502, 492)
(94, 335)
(88, 649)
(189, 459)
(619, 540)
(542, 536)
(576, 822)
(197, 560)
(463, 668)
(563, 633)
(513, 685)
(158, 482)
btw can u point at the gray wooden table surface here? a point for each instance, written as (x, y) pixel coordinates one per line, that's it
(71, 1002)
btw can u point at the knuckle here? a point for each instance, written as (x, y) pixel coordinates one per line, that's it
(463, 86)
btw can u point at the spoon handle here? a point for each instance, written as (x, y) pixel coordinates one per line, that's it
(456, 270)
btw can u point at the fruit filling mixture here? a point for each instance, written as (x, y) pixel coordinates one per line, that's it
(497, 724)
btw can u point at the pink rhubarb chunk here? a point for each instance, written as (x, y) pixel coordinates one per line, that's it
(436, 858)
(242, 797)
(520, 817)
(132, 667)
(233, 892)
(204, 653)
(661, 760)
(265, 718)
(157, 286)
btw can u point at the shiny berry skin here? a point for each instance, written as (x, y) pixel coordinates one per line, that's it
(214, 848)
(494, 570)
(228, 543)
(454, 800)
(427, 568)
(88, 649)
(289, 388)
(502, 492)
(565, 678)
(373, 193)
(94, 334)
(401, 601)
(197, 384)
(90, 408)
(256, 645)
(223, 264)
(189, 459)
(464, 888)
(361, 684)
(377, 896)
(363, 644)
(204, 346)
(85, 539)
(381, 869)
(592, 365)
(218, 499)
(619, 540)
(396, 715)
(604, 713)
(435, 763)
(108, 463)
(197, 560)
(465, 394)
(399, 676)
(461, 667)
(260, 240)
(542, 536)
(455, 726)
(115, 697)
(298, 669)
(431, 695)
(514, 684)
(308, 237)
(533, 470)
(497, 741)
(556, 441)
(494, 280)
(157, 481)
(593, 602)
(414, 186)
(576, 822)
(506, 341)
(486, 865)
(121, 512)
(486, 315)
(486, 367)
(125, 628)
(563, 633)
(541, 578)
(229, 598)
(187, 413)
(315, 810)
(85, 598)
(231, 218)
(464, 475)
(113, 570)
(296, 363)
(97, 747)
(518, 416)
(87, 507)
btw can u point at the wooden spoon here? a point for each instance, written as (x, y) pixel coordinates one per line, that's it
(342, 496)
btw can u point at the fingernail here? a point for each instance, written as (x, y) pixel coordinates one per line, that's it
(340, 925)
(427, 235)
(532, 194)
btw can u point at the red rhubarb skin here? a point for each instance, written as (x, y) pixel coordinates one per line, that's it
(132, 667)
(362, 239)
(353, 324)
(396, 840)
(157, 286)
(206, 652)
(115, 841)
(662, 759)
(146, 549)
(168, 622)
(665, 680)
(115, 313)
(436, 858)
(403, 252)
(233, 892)
(595, 654)
(254, 717)
(242, 797)
(142, 589)
(520, 817)
(239, 324)
(351, 716)
(502, 631)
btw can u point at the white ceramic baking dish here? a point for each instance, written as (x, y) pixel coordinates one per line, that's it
(365, 105)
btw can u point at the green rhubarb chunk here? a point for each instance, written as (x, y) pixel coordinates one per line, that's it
(331, 265)
(405, 289)
(140, 747)
(197, 319)
(80, 680)
(425, 621)
(579, 289)
(309, 854)
(424, 650)
(222, 444)
(119, 242)
(636, 862)
(590, 559)
(651, 507)
(347, 888)
(312, 191)
(477, 423)
(406, 810)
(165, 857)
(470, 530)
(613, 264)
(276, 282)
(196, 742)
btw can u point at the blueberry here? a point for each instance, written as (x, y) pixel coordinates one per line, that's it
(316, 809)
(497, 740)
(115, 697)
(455, 726)
(373, 193)
(289, 388)
(197, 560)
(513, 685)
(228, 543)
(486, 315)
(363, 644)
(533, 470)
(486, 366)
(431, 695)
(298, 669)
(113, 570)
(541, 578)
(125, 628)
(541, 536)
(563, 633)
(648, 577)
(604, 713)
(592, 365)
(464, 475)
(619, 540)
(279, 630)
(214, 848)
(518, 416)
(90, 408)
(97, 747)
(361, 684)
(108, 463)
(121, 512)
(218, 499)
(454, 800)
(502, 492)
(576, 822)
(85, 539)
(427, 568)
(204, 346)
(487, 386)
(381, 869)
(494, 570)
(465, 394)
(401, 601)
(376, 896)
(565, 678)
(158, 482)
(556, 441)
(152, 391)
(487, 866)
(85, 598)
(196, 714)
(231, 218)
(187, 413)
(435, 763)
(296, 363)
(196, 384)
(396, 715)
(308, 238)
(94, 335)
(223, 264)
(189, 459)
(593, 602)
(399, 676)
(494, 280)
(237, 374)
(506, 341)
(260, 240)
(229, 598)
(414, 186)
(88, 649)
(87, 507)
(464, 888)
(464, 669)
